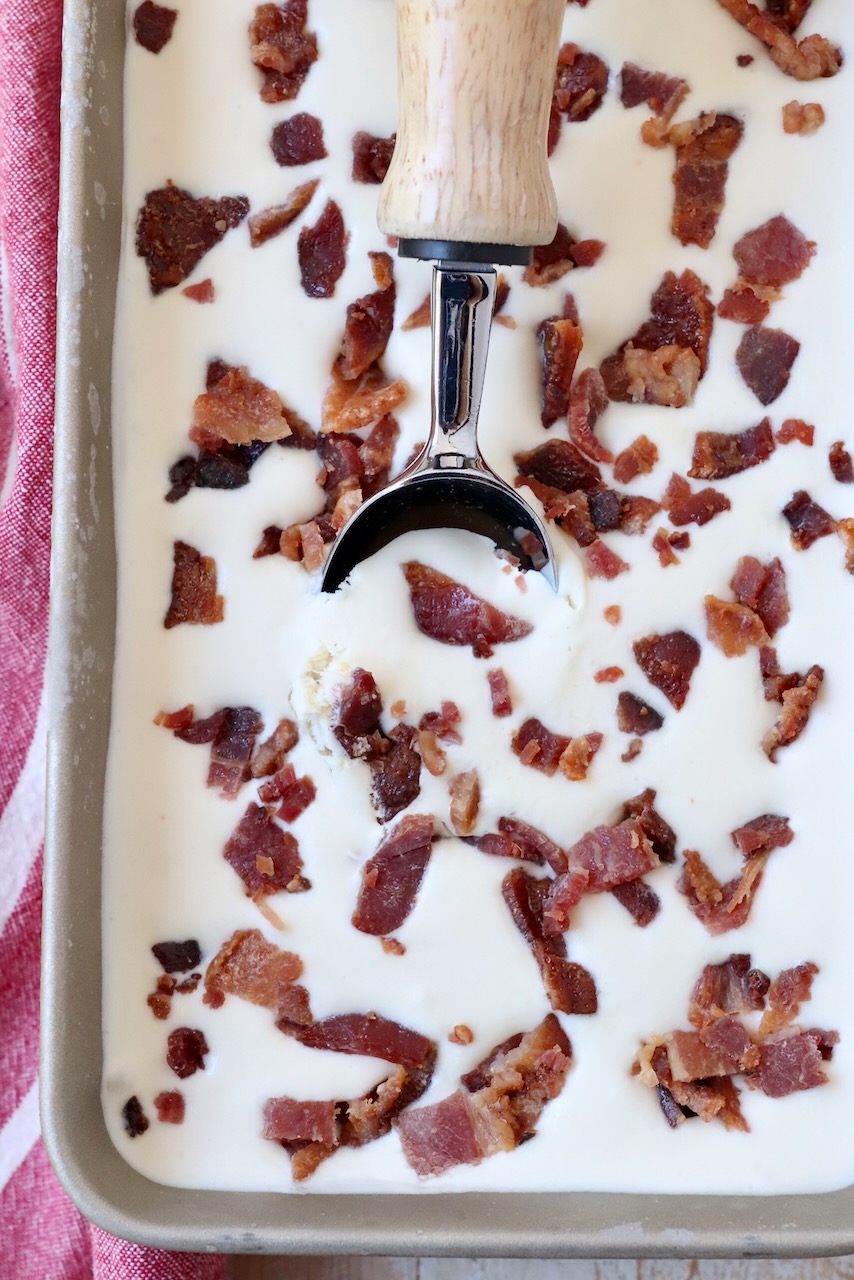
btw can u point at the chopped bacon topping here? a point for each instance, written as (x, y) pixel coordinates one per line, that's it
(786, 1066)
(321, 250)
(774, 254)
(734, 628)
(841, 463)
(680, 323)
(461, 1034)
(797, 698)
(721, 907)
(560, 344)
(602, 562)
(499, 692)
(587, 402)
(395, 772)
(642, 903)
(367, 1035)
(134, 1118)
(662, 94)
(803, 117)
(767, 832)
(796, 429)
(253, 969)
(813, 58)
(170, 1107)
(270, 222)
(762, 588)
(743, 305)
(185, 1051)
(704, 148)
(351, 405)
(194, 598)
(177, 957)
(807, 520)
(281, 48)
(637, 459)
(287, 1120)
(561, 466)
(845, 529)
(789, 990)
(516, 839)
(562, 254)
(580, 85)
(685, 507)
(608, 675)
(448, 612)
(202, 292)
(602, 859)
(662, 545)
(392, 876)
(270, 756)
(232, 733)
(730, 987)
(668, 662)
(765, 358)
(369, 324)
(569, 986)
(175, 230)
(637, 717)
(258, 834)
(420, 317)
(537, 746)
(293, 795)
(578, 756)
(718, 454)
(443, 723)
(372, 157)
(152, 25)
(238, 409)
(660, 835)
(465, 802)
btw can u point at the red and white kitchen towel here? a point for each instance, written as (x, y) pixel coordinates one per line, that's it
(42, 1236)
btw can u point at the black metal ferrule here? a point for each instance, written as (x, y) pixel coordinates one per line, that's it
(502, 255)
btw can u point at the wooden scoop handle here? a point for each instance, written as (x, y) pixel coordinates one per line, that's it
(475, 82)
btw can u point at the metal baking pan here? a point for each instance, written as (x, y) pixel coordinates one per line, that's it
(82, 636)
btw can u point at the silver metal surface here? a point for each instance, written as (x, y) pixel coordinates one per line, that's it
(450, 485)
(81, 654)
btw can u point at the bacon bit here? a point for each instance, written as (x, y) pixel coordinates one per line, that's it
(661, 543)
(466, 1127)
(660, 835)
(718, 454)
(270, 222)
(174, 231)
(461, 1034)
(371, 157)
(564, 253)
(636, 716)
(662, 94)
(194, 598)
(560, 343)
(365, 1035)
(704, 148)
(281, 48)
(517, 839)
(188, 986)
(312, 547)
(587, 402)
(813, 58)
(803, 118)
(176, 720)
(253, 969)
(578, 756)
(742, 305)
(807, 520)
(642, 903)
(734, 628)
(608, 675)
(231, 733)
(668, 662)
(797, 702)
(762, 588)
(841, 463)
(685, 507)
(789, 990)
(135, 1119)
(745, 59)
(202, 292)
(580, 85)
(549, 746)
(638, 459)
(613, 615)
(270, 757)
(730, 987)
(681, 320)
(447, 611)
(177, 957)
(395, 772)
(392, 947)
(765, 358)
(286, 1120)
(376, 454)
(255, 834)
(443, 722)
(186, 1050)
(845, 529)
(296, 795)
(368, 325)
(720, 907)
(499, 692)
(160, 1003)
(392, 876)
(789, 1065)
(602, 562)
(170, 1107)
(569, 987)
(636, 512)
(465, 802)
(796, 429)
(609, 856)
(420, 317)
(238, 409)
(349, 406)
(632, 751)
(561, 466)
(321, 250)
(152, 25)
(775, 254)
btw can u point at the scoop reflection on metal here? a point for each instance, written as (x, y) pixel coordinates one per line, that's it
(450, 485)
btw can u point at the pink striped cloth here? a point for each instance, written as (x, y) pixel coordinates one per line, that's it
(42, 1236)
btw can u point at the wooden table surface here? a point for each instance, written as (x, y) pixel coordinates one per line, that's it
(500, 1269)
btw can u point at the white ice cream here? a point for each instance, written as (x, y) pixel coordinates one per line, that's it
(193, 114)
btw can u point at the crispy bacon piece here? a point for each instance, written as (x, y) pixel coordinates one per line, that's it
(287, 1120)
(636, 512)
(177, 957)
(321, 251)
(734, 628)
(719, 454)
(194, 598)
(448, 612)
(774, 254)
(588, 400)
(134, 1118)
(366, 1035)
(762, 834)
(270, 222)
(443, 723)
(602, 859)
(680, 322)
(257, 834)
(369, 324)
(813, 58)
(395, 772)
(563, 253)
(294, 794)
(765, 358)
(642, 903)
(743, 305)
(789, 990)
(281, 48)
(578, 756)
(376, 454)
(465, 802)
(170, 1107)
(789, 1065)
(730, 987)
(807, 520)
(298, 140)
(797, 698)
(796, 429)
(560, 465)
(232, 733)
(841, 463)
(270, 756)
(685, 507)
(185, 1051)
(662, 94)
(238, 409)
(560, 344)
(721, 907)
(580, 85)
(253, 969)
(499, 692)
(420, 317)
(845, 529)
(392, 876)
(637, 717)
(662, 545)
(704, 148)
(658, 833)
(351, 405)
(152, 25)
(608, 675)
(803, 118)
(174, 231)
(569, 987)
(371, 157)
(538, 747)
(637, 459)
(762, 588)
(668, 662)
(202, 292)
(602, 562)
(516, 839)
